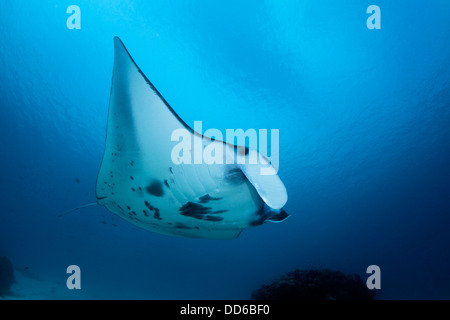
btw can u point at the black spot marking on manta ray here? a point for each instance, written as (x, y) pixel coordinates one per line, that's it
(131, 177)
(133, 189)
(207, 198)
(235, 176)
(170, 169)
(128, 207)
(132, 163)
(213, 218)
(155, 189)
(156, 215)
(195, 216)
(145, 213)
(191, 209)
(167, 184)
(179, 225)
(134, 213)
(219, 211)
(149, 206)
(198, 211)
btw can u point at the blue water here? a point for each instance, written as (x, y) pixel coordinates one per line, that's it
(364, 120)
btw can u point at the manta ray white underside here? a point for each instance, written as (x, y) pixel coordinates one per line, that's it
(139, 182)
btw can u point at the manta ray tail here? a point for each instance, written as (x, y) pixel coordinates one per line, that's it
(77, 208)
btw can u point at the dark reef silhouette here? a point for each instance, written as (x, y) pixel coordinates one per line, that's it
(6, 276)
(315, 285)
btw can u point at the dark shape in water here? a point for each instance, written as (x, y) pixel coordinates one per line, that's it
(315, 285)
(6, 276)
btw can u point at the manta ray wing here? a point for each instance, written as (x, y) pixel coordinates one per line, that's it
(139, 182)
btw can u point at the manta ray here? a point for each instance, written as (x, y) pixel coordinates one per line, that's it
(139, 181)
